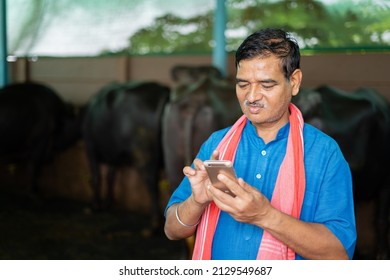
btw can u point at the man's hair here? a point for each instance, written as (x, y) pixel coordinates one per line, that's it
(268, 42)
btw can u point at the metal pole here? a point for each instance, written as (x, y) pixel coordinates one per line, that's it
(219, 51)
(3, 44)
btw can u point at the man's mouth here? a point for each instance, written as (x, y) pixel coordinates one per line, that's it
(254, 107)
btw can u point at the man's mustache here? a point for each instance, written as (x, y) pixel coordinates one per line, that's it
(254, 104)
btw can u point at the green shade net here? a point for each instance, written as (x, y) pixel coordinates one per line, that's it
(66, 28)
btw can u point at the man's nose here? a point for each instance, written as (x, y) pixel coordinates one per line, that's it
(254, 93)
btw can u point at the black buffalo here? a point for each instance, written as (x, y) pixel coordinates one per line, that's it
(360, 122)
(200, 104)
(35, 123)
(122, 127)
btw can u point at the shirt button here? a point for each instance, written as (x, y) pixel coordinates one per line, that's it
(263, 152)
(258, 176)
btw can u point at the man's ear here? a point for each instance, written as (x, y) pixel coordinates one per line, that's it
(295, 81)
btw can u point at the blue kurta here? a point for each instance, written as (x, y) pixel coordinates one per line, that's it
(328, 197)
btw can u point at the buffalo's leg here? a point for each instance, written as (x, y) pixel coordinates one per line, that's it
(382, 224)
(110, 186)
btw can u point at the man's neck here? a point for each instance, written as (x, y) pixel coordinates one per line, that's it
(268, 132)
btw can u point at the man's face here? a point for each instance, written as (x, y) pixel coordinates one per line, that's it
(263, 91)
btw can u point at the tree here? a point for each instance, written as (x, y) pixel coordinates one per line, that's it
(172, 34)
(317, 26)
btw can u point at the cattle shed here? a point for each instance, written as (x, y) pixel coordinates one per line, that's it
(78, 78)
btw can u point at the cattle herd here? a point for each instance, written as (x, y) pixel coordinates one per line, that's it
(154, 128)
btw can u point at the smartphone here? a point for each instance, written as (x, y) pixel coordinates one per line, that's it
(215, 167)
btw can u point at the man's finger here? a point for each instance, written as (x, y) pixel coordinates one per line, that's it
(215, 155)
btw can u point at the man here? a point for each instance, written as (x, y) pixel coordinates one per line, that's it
(293, 198)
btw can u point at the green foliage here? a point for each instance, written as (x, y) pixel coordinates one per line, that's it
(172, 34)
(344, 25)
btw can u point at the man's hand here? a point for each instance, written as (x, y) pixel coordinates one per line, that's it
(248, 206)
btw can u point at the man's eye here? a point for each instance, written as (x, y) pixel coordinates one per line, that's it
(267, 86)
(242, 85)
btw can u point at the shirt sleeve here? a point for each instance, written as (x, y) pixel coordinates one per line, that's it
(329, 195)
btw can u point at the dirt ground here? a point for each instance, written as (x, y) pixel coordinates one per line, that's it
(60, 225)
(62, 229)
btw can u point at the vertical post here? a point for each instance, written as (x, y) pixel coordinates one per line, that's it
(219, 51)
(3, 44)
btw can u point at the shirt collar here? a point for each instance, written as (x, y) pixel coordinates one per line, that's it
(282, 133)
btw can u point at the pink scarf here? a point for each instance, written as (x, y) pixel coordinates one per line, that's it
(287, 196)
